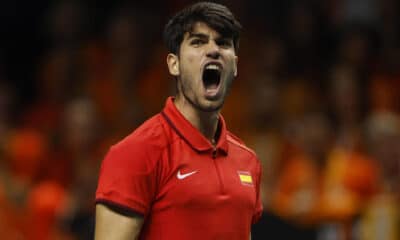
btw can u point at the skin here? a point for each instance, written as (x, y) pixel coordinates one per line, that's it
(199, 107)
(203, 45)
(112, 224)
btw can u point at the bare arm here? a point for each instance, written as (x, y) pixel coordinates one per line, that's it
(116, 224)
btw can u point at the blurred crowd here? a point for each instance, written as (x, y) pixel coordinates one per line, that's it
(317, 97)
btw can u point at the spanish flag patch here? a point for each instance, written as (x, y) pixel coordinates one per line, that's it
(245, 178)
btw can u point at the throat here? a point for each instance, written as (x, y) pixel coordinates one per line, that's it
(206, 122)
(211, 128)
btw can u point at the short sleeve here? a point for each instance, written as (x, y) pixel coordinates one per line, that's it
(258, 207)
(128, 178)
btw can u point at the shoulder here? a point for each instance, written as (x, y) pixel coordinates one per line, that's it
(247, 157)
(150, 134)
(239, 144)
(142, 148)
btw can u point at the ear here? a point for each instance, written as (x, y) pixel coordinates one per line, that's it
(235, 67)
(173, 64)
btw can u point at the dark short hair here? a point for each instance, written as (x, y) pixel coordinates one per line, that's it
(215, 15)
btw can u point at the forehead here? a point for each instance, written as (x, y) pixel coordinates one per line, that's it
(203, 29)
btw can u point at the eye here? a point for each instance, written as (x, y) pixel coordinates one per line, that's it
(225, 43)
(197, 42)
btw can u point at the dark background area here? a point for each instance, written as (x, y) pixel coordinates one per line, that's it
(317, 97)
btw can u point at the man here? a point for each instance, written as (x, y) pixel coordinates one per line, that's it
(182, 175)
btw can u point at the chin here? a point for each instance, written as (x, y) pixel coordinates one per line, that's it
(211, 106)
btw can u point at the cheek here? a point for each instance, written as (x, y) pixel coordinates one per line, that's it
(192, 54)
(192, 57)
(189, 63)
(233, 66)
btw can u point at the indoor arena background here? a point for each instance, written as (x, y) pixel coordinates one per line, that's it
(317, 96)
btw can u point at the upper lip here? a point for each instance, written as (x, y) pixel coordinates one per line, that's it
(213, 63)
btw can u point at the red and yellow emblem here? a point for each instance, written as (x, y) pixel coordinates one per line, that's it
(245, 178)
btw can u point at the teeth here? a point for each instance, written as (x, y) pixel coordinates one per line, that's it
(212, 67)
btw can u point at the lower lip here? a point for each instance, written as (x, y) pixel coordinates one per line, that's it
(213, 93)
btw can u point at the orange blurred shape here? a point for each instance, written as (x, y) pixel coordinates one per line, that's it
(46, 199)
(351, 178)
(362, 175)
(26, 150)
(355, 171)
(45, 203)
(297, 189)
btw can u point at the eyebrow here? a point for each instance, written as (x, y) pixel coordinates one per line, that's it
(205, 36)
(197, 35)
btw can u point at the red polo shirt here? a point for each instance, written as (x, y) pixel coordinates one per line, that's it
(183, 186)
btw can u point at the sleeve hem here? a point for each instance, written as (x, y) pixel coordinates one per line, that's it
(134, 210)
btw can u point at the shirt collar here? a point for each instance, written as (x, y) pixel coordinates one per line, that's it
(191, 134)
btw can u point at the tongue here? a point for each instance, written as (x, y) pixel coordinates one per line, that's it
(212, 86)
(211, 90)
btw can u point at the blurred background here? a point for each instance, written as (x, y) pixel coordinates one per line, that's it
(317, 97)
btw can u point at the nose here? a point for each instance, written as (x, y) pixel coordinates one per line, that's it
(213, 50)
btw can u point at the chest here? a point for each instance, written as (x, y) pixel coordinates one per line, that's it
(205, 181)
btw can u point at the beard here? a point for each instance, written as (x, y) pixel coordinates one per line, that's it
(195, 99)
(201, 107)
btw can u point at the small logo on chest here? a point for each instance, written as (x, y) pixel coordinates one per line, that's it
(245, 178)
(181, 176)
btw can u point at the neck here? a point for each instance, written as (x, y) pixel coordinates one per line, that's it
(205, 122)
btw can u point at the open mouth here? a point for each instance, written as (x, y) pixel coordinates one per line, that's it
(211, 76)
